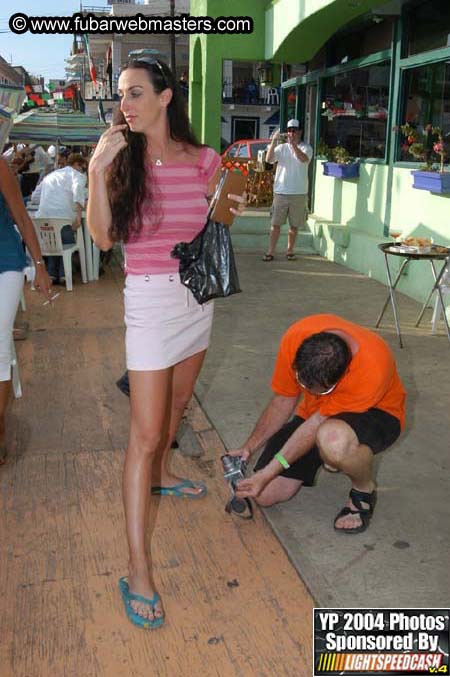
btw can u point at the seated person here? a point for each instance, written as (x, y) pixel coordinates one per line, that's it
(62, 159)
(33, 169)
(63, 195)
(352, 408)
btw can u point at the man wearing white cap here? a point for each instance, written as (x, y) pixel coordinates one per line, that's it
(290, 187)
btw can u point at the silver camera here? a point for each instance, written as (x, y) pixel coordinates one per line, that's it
(234, 468)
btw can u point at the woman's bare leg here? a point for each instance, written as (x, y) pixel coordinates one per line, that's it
(185, 374)
(149, 424)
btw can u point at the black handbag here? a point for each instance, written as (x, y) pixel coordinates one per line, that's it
(207, 264)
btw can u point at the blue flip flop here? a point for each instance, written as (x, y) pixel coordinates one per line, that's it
(128, 597)
(176, 490)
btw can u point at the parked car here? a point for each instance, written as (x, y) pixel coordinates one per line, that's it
(246, 148)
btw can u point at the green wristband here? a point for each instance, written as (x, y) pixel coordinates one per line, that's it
(280, 458)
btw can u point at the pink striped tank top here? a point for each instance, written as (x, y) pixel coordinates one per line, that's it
(180, 208)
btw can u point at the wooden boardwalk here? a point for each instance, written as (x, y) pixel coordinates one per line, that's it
(234, 603)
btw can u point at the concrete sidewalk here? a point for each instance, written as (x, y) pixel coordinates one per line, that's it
(402, 560)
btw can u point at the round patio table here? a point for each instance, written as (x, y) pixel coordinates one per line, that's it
(436, 253)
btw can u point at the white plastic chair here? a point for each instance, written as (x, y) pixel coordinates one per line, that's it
(17, 386)
(95, 262)
(271, 96)
(445, 290)
(49, 234)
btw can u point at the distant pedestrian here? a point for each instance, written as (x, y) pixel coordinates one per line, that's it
(290, 188)
(33, 169)
(63, 196)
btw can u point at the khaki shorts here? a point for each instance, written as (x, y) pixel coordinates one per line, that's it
(289, 206)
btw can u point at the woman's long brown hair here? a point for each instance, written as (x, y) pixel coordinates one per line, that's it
(129, 179)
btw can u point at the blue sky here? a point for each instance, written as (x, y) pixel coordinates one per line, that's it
(39, 54)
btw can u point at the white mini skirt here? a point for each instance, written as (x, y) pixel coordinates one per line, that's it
(164, 323)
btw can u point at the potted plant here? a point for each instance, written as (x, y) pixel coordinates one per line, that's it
(323, 150)
(423, 146)
(339, 163)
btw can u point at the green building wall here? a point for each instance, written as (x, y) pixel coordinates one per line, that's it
(284, 31)
(206, 56)
(295, 29)
(350, 216)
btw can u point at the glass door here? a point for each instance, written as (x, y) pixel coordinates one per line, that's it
(309, 133)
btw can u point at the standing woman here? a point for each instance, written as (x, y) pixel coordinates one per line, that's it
(149, 180)
(12, 265)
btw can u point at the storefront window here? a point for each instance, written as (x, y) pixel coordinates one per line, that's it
(355, 109)
(428, 26)
(426, 105)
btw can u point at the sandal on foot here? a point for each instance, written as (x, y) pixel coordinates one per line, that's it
(291, 257)
(128, 597)
(267, 257)
(177, 490)
(358, 498)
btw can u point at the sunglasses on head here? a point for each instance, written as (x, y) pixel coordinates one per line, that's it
(313, 390)
(153, 62)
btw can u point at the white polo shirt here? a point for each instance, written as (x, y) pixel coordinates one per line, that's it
(291, 176)
(60, 190)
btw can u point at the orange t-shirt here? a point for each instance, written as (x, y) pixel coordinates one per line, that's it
(371, 379)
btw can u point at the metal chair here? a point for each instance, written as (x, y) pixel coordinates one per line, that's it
(445, 290)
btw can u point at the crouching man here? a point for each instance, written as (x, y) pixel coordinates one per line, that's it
(352, 408)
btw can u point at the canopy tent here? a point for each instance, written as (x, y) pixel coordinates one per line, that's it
(67, 128)
(11, 98)
(5, 124)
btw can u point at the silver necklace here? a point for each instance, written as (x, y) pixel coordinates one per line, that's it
(157, 159)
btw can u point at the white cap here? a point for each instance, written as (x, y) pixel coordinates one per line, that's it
(293, 123)
(51, 150)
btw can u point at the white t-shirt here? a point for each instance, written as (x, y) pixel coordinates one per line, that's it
(291, 176)
(60, 190)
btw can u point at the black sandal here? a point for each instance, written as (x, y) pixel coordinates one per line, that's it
(267, 257)
(358, 498)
